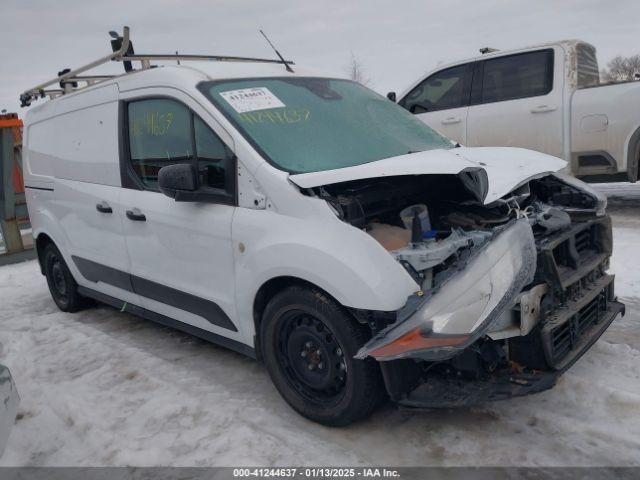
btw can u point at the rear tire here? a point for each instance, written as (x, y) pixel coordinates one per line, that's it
(308, 342)
(62, 286)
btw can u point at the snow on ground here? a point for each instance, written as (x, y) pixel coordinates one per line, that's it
(104, 388)
(624, 204)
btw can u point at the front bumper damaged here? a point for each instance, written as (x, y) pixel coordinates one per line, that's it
(442, 392)
(441, 324)
(564, 281)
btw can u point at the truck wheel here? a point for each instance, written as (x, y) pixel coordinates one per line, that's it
(62, 286)
(308, 343)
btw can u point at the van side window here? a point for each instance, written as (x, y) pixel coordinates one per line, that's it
(449, 88)
(159, 135)
(165, 132)
(517, 76)
(214, 158)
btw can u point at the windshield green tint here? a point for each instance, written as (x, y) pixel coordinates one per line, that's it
(312, 124)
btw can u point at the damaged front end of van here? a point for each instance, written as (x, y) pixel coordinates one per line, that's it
(512, 268)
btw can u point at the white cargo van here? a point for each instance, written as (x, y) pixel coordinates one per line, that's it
(310, 223)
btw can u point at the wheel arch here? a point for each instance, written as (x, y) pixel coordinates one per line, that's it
(633, 156)
(272, 287)
(42, 240)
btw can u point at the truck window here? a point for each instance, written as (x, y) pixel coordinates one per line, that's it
(165, 132)
(517, 76)
(449, 88)
(588, 71)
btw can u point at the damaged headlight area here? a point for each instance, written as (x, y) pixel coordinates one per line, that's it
(440, 323)
(510, 293)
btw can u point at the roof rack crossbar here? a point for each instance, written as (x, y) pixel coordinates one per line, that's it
(88, 78)
(69, 79)
(216, 58)
(28, 95)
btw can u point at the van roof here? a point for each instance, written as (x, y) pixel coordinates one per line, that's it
(213, 67)
(179, 76)
(196, 72)
(220, 71)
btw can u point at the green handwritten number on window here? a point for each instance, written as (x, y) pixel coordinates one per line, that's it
(158, 123)
(280, 116)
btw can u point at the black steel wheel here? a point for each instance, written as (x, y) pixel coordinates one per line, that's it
(311, 358)
(308, 343)
(62, 286)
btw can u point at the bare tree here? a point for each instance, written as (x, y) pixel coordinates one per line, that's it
(357, 72)
(622, 69)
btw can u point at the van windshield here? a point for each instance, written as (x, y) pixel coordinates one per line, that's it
(307, 124)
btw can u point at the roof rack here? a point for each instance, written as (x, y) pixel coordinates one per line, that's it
(72, 80)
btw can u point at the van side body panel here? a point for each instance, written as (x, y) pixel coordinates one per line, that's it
(74, 152)
(299, 236)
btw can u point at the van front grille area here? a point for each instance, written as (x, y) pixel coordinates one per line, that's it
(577, 248)
(567, 336)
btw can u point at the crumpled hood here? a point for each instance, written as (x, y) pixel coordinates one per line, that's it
(506, 168)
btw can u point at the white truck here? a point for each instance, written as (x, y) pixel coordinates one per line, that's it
(546, 98)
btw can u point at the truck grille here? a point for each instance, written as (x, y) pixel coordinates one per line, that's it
(567, 336)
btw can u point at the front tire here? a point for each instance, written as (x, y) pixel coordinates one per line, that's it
(308, 342)
(62, 285)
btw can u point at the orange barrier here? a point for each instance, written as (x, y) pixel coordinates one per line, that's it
(18, 181)
(8, 121)
(12, 121)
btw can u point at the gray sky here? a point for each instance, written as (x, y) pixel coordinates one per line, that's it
(395, 41)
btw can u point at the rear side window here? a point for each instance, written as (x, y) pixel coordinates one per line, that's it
(588, 72)
(165, 132)
(445, 89)
(517, 76)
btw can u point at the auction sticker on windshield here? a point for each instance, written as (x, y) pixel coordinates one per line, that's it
(251, 99)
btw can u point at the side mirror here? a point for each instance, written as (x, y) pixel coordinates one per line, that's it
(178, 181)
(417, 108)
(392, 96)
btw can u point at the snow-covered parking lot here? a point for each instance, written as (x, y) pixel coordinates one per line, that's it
(104, 388)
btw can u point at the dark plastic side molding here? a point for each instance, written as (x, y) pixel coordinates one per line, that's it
(210, 311)
(169, 322)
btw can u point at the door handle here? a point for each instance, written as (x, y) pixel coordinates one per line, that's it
(451, 120)
(103, 207)
(542, 109)
(136, 215)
